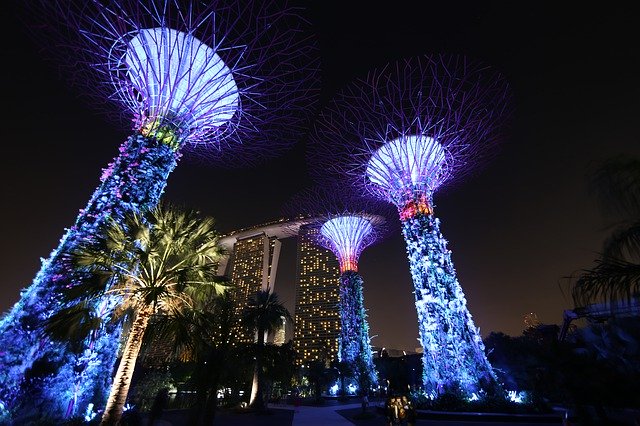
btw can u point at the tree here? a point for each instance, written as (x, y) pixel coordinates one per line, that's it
(279, 368)
(161, 260)
(203, 338)
(616, 275)
(262, 315)
(318, 375)
(345, 371)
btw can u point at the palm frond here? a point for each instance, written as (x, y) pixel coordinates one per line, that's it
(610, 280)
(163, 258)
(264, 312)
(623, 244)
(616, 183)
(72, 324)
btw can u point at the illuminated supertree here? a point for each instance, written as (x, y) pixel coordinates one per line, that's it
(402, 133)
(232, 80)
(346, 225)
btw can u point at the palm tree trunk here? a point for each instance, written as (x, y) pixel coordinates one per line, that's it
(212, 402)
(122, 381)
(257, 392)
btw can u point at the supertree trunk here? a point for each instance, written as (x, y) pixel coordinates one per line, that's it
(354, 329)
(453, 350)
(134, 180)
(122, 380)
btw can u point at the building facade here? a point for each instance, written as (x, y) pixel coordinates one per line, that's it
(252, 265)
(317, 315)
(253, 268)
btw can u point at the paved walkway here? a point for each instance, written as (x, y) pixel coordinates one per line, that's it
(285, 415)
(321, 416)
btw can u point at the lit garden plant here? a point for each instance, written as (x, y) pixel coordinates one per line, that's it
(402, 133)
(346, 225)
(228, 80)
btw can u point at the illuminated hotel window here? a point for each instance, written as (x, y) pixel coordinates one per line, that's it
(317, 297)
(247, 274)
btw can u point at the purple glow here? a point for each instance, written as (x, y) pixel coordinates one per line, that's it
(424, 121)
(221, 75)
(174, 76)
(405, 166)
(401, 133)
(346, 237)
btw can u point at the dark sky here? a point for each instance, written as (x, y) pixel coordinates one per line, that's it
(515, 229)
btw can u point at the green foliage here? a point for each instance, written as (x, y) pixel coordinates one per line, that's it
(160, 261)
(263, 313)
(279, 365)
(401, 373)
(456, 401)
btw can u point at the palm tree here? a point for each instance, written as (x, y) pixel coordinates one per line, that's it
(204, 336)
(159, 261)
(616, 275)
(262, 315)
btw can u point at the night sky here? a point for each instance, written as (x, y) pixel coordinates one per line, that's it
(515, 229)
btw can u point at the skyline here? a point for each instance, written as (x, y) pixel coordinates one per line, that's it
(515, 229)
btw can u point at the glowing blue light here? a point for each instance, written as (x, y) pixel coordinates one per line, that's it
(178, 76)
(354, 342)
(89, 414)
(134, 180)
(347, 236)
(453, 349)
(407, 164)
(517, 397)
(352, 388)
(333, 389)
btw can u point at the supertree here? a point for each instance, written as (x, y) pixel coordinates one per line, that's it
(231, 80)
(401, 133)
(346, 224)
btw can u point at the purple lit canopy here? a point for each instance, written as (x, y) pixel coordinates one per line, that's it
(209, 75)
(346, 224)
(412, 126)
(401, 133)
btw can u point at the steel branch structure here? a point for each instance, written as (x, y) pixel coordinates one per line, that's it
(231, 80)
(401, 133)
(346, 225)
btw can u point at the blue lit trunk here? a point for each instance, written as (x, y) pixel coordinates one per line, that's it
(134, 180)
(454, 354)
(354, 343)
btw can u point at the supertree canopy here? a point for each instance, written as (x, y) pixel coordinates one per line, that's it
(346, 224)
(232, 80)
(401, 133)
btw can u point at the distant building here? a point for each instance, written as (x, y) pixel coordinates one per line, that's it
(279, 337)
(252, 263)
(317, 317)
(254, 267)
